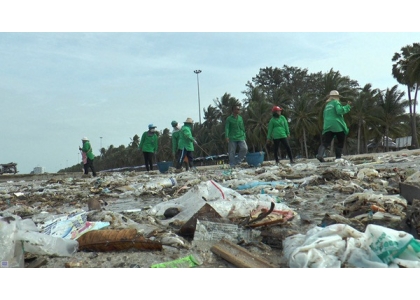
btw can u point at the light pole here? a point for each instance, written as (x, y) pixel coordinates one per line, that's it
(198, 89)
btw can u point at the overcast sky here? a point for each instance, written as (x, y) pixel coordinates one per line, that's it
(57, 87)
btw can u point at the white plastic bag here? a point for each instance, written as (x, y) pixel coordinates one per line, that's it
(43, 244)
(11, 250)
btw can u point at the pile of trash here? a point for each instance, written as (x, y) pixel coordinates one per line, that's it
(354, 212)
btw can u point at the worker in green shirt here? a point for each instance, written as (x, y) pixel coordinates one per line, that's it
(334, 125)
(278, 132)
(235, 136)
(149, 146)
(186, 145)
(88, 156)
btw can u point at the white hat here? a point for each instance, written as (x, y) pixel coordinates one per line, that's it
(189, 120)
(85, 139)
(334, 93)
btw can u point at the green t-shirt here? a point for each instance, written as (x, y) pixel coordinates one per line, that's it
(278, 128)
(334, 117)
(88, 150)
(186, 140)
(175, 140)
(235, 128)
(149, 142)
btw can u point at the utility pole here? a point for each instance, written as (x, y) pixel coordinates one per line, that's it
(198, 89)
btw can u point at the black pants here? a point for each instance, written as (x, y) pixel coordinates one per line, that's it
(181, 156)
(285, 143)
(328, 137)
(87, 165)
(148, 160)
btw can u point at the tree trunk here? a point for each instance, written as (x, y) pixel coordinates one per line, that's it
(301, 147)
(358, 136)
(414, 139)
(412, 106)
(304, 142)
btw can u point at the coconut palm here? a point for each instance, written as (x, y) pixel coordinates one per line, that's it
(361, 113)
(165, 146)
(211, 117)
(392, 112)
(256, 118)
(303, 119)
(224, 106)
(414, 72)
(402, 70)
(333, 80)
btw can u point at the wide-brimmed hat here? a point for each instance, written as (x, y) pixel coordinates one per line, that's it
(151, 126)
(189, 121)
(334, 94)
(85, 139)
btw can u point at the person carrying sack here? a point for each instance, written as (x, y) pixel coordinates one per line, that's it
(88, 163)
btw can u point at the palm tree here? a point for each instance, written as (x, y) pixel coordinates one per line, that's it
(303, 119)
(414, 72)
(224, 106)
(256, 118)
(392, 112)
(343, 84)
(361, 112)
(165, 146)
(211, 117)
(403, 70)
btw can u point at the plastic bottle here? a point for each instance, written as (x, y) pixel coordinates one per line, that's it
(158, 185)
(44, 244)
(189, 261)
(168, 182)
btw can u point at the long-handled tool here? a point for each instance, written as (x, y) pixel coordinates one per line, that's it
(204, 151)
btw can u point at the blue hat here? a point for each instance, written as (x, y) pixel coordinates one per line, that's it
(151, 126)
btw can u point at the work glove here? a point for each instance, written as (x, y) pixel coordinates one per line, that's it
(195, 142)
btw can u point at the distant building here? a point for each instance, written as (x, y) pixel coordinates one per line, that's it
(39, 170)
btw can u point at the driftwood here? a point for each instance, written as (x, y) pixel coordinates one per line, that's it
(238, 256)
(115, 240)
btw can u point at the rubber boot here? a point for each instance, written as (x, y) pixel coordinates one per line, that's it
(338, 152)
(191, 167)
(320, 155)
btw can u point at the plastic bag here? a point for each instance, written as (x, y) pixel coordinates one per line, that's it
(43, 244)
(11, 251)
(389, 244)
(18, 236)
